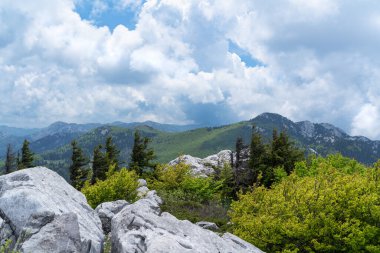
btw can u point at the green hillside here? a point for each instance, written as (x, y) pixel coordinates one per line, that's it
(200, 142)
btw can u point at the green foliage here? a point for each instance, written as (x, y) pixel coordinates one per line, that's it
(7, 247)
(271, 162)
(112, 153)
(118, 185)
(99, 165)
(26, 156)
(333, 207)
(78, 170)
(257, 157)
(189, 197)
(142, 155)
(10, 160)
(228, 185)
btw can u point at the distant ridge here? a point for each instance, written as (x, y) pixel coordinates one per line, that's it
(52, 144)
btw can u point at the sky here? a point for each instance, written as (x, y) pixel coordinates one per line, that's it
(190, 61)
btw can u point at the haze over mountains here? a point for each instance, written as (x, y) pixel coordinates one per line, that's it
(52, 144)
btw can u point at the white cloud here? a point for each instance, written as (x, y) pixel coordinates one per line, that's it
(367, 121)
(319, 62)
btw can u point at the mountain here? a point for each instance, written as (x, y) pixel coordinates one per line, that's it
(158, 126)
(63, 128)
(320, 138)
(54, 149)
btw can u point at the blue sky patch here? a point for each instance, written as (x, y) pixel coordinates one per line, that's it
(244, 55)
(107, 13)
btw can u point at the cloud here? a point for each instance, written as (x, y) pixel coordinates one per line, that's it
(315, 60)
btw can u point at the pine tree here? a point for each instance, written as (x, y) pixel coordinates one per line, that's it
(18, 161)
(142, 155)
(112, 153)
(283, 153)
(78, 172)
(10, 160)
(26, 155)
(99, 165)
(239, 147)
(228, 189)
(256, 157)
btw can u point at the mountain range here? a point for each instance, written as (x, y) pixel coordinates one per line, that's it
(52, 144)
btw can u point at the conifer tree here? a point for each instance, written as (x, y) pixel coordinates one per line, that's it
(99, 165)
(142, 155)
(10, 160)
(228, 189)
(283, 153)
(256, 157)
(26, 155)
(238, 147)
(78, 172)
(18, 161)
(112, 153)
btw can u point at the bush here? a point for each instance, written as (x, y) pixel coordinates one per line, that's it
(187, 196)
(118, 185)
(333, 207)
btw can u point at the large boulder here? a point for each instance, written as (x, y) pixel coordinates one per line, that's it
(142, 228)
(40, 210)
(205, 167)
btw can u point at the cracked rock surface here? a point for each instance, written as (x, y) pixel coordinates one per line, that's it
(142, 228)
(40, 210)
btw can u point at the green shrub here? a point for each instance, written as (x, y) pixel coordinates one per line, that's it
(187, 196)
(333, 207)
(118, 185)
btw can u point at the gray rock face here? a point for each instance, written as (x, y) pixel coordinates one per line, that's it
(142, 228)
(45, 214)
(107, 210)
(205, 167)
(207, 225)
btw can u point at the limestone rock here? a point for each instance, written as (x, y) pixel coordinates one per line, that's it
(142, 228)
(107, 210)
(205, 167)
(46, 214)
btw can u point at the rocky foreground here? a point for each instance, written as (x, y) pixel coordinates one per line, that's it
(41, 212)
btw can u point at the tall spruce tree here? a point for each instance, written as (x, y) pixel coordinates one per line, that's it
(256, 157)
(142, 155)
(99, 165)
(283, 153)
(78, 171)
(238, 148)
(26, 155)
(112, 153)
(10, 160)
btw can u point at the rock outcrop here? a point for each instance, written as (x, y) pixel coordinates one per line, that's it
(40, 210)
(205, 167)
(142, 228)
(107, 210)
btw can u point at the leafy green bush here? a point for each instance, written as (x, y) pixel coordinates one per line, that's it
(189, 197)
(118, 185)
(330, 205)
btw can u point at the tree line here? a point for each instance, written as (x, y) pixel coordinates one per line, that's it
(107, 159)
(83, 168)
(15, 162)
(258, 164)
